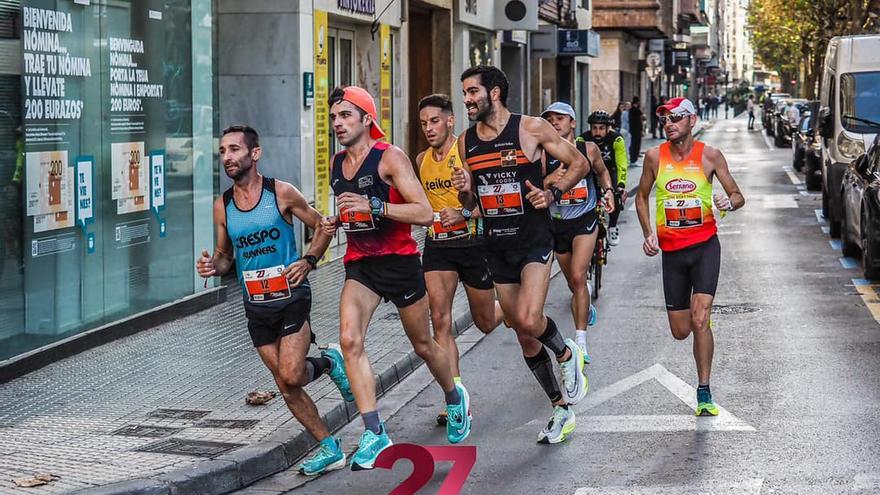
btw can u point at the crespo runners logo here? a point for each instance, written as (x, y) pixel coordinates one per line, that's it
(423, 458)
(680, 186)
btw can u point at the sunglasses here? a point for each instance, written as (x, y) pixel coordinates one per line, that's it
(674, 118)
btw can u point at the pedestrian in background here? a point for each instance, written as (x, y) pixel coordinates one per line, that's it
(750, 108)
(636, 127)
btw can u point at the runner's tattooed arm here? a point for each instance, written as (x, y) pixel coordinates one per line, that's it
(292, 203)
(462, 179)
(396, 169)
(651, 246)
(734, 200)
(220, 262)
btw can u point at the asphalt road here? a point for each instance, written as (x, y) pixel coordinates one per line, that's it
(796, 370)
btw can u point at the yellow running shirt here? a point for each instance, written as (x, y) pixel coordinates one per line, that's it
(436, 178)
(684, 200)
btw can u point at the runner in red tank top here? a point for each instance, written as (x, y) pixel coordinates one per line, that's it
(379, 196)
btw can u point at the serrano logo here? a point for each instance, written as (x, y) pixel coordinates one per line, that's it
(680, 186)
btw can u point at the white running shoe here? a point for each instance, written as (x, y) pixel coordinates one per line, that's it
(574, 380)
(613, 236)
(560, 426)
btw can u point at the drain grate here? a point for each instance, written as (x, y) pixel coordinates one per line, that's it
(239, 424)
(146, 431)
(735, 309)
(178, 414)
(195, 448)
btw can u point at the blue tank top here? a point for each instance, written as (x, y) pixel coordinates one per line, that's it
(581, 199)
(264, 244)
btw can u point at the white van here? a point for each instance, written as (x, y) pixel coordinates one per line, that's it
(849, 115)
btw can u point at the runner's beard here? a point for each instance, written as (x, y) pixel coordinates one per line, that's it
(484, 111)
(242, 170)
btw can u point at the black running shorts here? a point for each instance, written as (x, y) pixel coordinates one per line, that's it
(468, 261)
(564, 231)
(394, 277)
(506, 266)
(692, 270)
(267, 326)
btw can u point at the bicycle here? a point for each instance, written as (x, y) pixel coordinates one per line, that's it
(600, 252)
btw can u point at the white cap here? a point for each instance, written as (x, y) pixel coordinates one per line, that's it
(561, 108)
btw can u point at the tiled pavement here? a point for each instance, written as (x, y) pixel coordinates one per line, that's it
(61, 419)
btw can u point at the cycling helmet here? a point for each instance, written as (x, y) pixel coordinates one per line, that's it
(600, 117)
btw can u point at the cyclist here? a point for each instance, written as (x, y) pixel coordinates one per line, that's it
(613, 149)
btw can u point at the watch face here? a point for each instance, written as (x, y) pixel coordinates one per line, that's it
(375, 203)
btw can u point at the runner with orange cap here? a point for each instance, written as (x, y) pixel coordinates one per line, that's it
(683, 170)
(379, 197)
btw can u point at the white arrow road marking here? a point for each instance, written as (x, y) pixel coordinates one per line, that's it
(747, 487)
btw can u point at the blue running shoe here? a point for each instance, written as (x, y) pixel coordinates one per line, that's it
(705, 405)
(593, 316)
(337, 372)
(369, 448)
(458, 422)
(329, 457)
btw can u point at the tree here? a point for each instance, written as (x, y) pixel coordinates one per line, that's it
(791, 36)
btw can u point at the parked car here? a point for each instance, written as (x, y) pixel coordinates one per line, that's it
(803, 134)
(850, 114)
(767, 109)
(861, 210)
(784, 128)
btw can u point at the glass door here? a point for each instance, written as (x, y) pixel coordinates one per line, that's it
(340, 69)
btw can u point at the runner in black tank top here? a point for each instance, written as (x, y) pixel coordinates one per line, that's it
(504, 176)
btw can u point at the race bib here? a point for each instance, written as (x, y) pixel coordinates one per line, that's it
(267, 284)
(441, 233)
(683, 213)
(501, 200)
(576, 196)
(357, 222)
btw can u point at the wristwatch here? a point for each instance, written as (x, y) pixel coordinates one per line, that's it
(557, 193)
(377, 206)
(311, 260)
(467, 214)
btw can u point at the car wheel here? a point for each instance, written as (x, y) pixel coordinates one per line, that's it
(812, 178)
(870, 263)
(849, 248)
(824, 202)
(777, 139)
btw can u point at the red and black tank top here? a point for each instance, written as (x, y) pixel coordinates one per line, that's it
(500, 169)
(369, 235)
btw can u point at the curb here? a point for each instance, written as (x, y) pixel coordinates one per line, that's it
(279, 451)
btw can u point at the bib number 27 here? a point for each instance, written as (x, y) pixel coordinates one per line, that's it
(423, 459)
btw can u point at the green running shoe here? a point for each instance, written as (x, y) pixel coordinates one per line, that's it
(369, 448)
(337, 372)
(705, 405)
(561, 425)
(329, 457)
(458, 417)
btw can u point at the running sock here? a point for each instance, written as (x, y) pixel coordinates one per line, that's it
(542, 368)
(316, 367)
(580, 337)
(457, 380)
(703, 386)
(453, 397)
(372, 422)
(553, 339)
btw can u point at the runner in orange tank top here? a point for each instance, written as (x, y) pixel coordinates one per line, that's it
(683, 169)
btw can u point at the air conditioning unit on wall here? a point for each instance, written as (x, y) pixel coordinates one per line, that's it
(516, 15)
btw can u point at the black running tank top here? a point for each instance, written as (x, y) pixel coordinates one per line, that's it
(500, 170)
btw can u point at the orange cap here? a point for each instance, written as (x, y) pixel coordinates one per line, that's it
(362, 99)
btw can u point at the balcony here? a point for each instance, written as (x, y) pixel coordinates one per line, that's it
(691, 12)
(640, 18)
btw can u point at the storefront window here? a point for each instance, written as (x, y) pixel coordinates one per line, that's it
(96, 165)
(481, 48)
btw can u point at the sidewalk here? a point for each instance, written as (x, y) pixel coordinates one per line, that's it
(163, 411)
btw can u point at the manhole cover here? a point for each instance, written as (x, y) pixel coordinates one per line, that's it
(735, 309)
(146, 431)
(242, 424)
(178, 414)
(196, 448)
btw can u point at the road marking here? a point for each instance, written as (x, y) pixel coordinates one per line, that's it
(706, 487)
(663, 423)
(826, 229)
(729, 232)
(849, 263)
(868, 291)
(767, 141)
(820, 218)
(775, 201)
(836, 244)
(791, 175)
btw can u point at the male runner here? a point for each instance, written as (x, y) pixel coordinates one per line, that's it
(503, 173)
(253, 225)
(613, 148)
(379, 196)
(575, 222)
(683, 169)
(454, 246)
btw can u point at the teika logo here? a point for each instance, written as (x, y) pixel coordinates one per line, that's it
(680, 186)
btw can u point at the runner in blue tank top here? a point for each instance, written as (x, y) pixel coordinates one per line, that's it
(503, 174)
(574, 219)
(253, 226)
